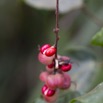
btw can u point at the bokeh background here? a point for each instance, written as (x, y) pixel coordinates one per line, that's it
(24, 26)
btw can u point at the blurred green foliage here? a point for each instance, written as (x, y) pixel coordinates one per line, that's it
(23, 28)
(94, 96)
(98, 38)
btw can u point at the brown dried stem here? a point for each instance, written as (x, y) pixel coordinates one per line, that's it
(56, 30)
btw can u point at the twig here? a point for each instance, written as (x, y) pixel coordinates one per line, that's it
(56, 30)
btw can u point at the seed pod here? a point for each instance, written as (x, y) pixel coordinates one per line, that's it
(67, 81)
(43, 76)
(50, 81)
(44, 59)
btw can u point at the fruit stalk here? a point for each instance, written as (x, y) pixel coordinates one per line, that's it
(56, 30)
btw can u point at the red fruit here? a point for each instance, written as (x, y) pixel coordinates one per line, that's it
(47, 91)
(44, 59)
(66, 67)
(44, 88)
(50, 51)
(51, 65)
(44, 47)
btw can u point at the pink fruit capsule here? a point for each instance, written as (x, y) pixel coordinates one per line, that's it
(55, 81)
(44, 59)
(43, 76)
(50, 81)
(67, 81)
(59, 80)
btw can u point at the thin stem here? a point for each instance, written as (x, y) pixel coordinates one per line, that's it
(57, 13)
(56, 30)
(92, 16)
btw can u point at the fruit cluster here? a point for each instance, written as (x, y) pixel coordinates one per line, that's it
(55, 76)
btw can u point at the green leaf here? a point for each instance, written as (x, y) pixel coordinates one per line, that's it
(95, 96)
(98, 38)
